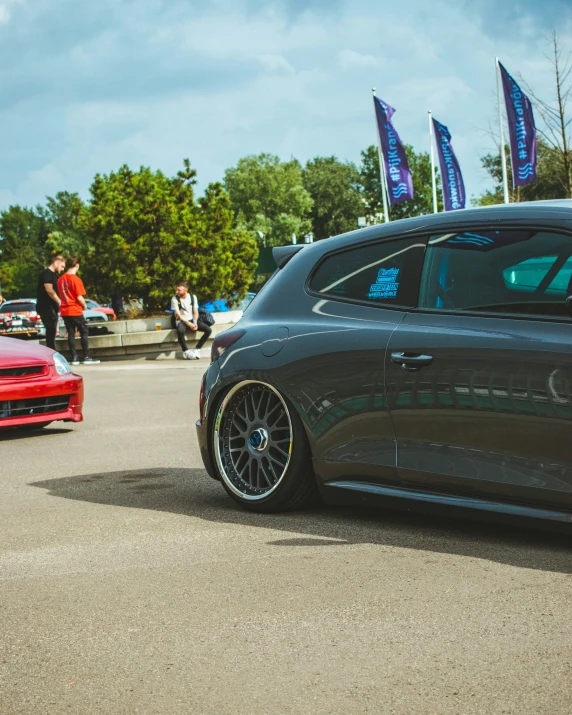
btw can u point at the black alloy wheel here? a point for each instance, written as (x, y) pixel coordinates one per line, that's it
(261, 450)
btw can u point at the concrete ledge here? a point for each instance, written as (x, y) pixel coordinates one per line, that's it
(100, 341)
(167, 347)
(146, 325)
(162, 336)
(107, 352)
(152, 344)
(174, 354)
(143, 325)
(150, 338)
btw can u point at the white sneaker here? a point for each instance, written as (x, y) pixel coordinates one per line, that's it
(188, 354)
(196, 354)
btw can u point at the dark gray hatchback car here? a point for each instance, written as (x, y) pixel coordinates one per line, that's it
(427, 359)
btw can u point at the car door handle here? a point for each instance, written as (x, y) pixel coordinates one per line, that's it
(411, 362)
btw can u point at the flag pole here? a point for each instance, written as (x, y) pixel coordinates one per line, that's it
(502, 151)
(433, 177)
(381, 169)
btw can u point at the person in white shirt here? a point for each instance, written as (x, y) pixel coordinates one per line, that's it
(186, 309)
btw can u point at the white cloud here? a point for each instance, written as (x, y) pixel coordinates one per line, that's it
(275, 63)
(146, 82)
(6, 10)
(348, 59)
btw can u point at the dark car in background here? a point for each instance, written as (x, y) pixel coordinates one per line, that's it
(428, 359)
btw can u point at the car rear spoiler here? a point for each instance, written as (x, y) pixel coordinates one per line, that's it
(282, 254)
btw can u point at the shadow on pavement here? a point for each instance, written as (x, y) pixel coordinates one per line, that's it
(12, 433)
(192, 492)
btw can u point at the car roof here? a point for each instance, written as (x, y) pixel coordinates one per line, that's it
(18, 301)
(553, 210)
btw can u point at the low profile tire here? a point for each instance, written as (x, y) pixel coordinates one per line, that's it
(261, 451)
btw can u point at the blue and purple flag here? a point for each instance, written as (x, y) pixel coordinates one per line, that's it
(521, 129)
(398, 176)
(451, 177)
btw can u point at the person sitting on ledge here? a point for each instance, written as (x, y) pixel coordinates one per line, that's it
(186, 310)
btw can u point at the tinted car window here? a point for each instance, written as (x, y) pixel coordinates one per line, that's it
(17, 307)
(384, 273)
(528, 274)
(506, 271)
(562, 280)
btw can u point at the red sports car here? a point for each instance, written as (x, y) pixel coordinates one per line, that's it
(37, 386)
(93, 305)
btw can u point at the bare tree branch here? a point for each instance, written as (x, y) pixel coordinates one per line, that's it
(554, 121)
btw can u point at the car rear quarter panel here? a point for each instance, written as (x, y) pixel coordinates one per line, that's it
(330, 368)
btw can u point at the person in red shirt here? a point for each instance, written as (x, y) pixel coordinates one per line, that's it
(71, 290)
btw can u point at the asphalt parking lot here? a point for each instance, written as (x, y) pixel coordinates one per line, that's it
(129, 583)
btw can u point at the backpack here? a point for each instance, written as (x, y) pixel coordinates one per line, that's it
(206, 317)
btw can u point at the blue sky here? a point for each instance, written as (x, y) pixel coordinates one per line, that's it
(86, 87)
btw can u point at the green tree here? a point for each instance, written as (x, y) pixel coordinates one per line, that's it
(63, 214)
(548, 184)
(229, 254)
(23, 233)
(146, 231)
(268, 196)
(422, 203)
(335, 191)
